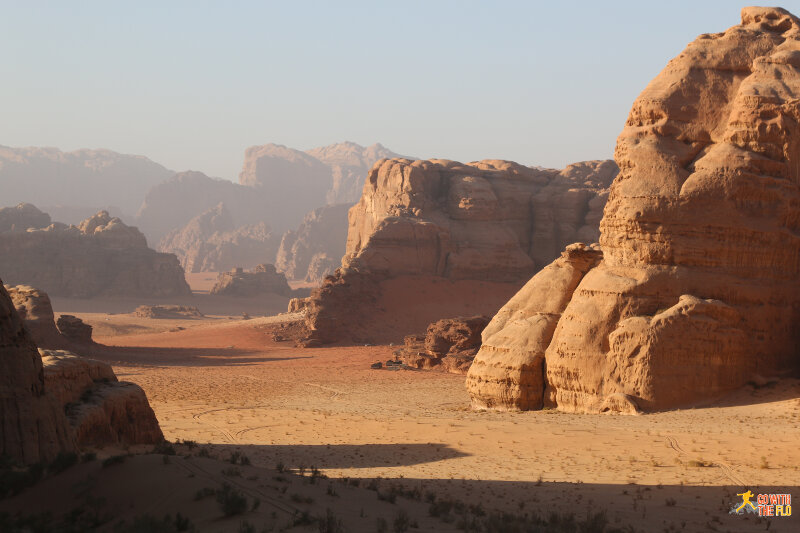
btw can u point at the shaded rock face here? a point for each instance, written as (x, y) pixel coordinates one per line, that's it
(314, 250)
(698, 289)
(262, 279)
(211, 242)
(100, 257)
(74, 329)
(83, 178)
(101, 410)
(450, 343)
(33, 427)
(489, 221)
(35, 309)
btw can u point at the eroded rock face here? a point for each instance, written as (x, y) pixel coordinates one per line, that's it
(698, 289)
(488, 221)
(33, 427)
(316, 247)
(167, 311)
(36, 311)
(101, 410)
(262, 279)
(508, 372)
(211, 242)
(100, 257)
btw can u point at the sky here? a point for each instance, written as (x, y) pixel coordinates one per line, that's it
(192, 84)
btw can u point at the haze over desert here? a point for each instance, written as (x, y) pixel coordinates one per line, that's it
(346, 339)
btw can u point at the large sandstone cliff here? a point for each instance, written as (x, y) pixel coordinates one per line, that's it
(698, 289)
(493, 222)
(101, 256)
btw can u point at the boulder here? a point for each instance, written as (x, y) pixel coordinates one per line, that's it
(74, 329)
(450, 344)
(698, 288)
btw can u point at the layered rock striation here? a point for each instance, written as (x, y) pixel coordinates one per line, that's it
(698, 288)
(54, 402)
(100, 257)
(494, 222)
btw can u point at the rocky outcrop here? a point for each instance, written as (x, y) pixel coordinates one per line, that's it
(489, 221)
(211, 242)
(35, 309)
(84, 178)
(263, 279)
(100, 257)
(74, 329)
(101, 410)
(22, 217)
(508, 372)
(33, 427)
(697, 291)
(167, 311)
(316, 247)
(450, 344)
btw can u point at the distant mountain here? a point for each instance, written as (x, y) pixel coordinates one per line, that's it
(82, 181)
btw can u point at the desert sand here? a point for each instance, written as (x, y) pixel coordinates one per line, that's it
(224, 383)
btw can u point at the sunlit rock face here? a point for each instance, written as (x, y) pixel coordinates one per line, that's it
(698, 288)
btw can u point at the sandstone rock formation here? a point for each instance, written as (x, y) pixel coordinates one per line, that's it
(263, 279)
(35, 394)
(33, 427)
(697, 291)
(74, 329)
(100, 257)
(22, 217)
(167, 311)
(211, 242)
(450, 343)
(427, 221)
(34, 308)
(36, 311)
(100, 409)
(84, 178)
(316, 247)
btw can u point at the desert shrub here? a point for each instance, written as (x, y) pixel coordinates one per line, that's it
(231, 501)
(114, 460)
(63, 461)
(330, 523)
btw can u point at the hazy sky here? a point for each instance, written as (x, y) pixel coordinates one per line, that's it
(192, 84)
